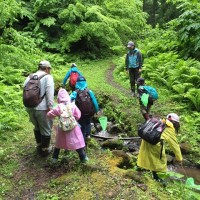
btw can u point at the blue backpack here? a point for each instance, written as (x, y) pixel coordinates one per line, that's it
(151, 91)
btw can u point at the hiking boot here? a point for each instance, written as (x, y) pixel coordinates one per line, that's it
(162, 182)
(46, 151)
(88, 138)
(52, 162)
(85, 159)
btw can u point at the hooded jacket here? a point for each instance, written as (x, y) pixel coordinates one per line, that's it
(133, 59)
(149, 155)
(73, 139)
(81, 85)
(73, 69)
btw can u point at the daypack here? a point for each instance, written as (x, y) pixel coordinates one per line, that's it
(73, 78)
(85, 103)
(67, 121)
(151, 91)
(151, 131)
(31, 91)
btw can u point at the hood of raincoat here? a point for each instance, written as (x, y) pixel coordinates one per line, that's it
(74, 69)
(63, 96)
(168, 123)
(81, 83)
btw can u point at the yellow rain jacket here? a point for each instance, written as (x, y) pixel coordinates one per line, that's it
(149, 155)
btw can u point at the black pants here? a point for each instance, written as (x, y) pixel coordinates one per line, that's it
(81, 153)
(155, 176)
(134, 74)
(85, 123)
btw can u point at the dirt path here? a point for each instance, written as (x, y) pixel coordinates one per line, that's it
(110, 80)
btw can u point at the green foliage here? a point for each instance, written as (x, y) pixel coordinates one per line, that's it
(170, 70)
(90, 28)
(48, 21)
(11, 107)
(187, 26)
(159, 12)
(9, 11)
(194, 96)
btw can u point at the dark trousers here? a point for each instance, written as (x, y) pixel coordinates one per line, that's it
(134, 74)
(81, 153)
(85, 126)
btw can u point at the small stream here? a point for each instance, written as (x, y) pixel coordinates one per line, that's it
(187, 172)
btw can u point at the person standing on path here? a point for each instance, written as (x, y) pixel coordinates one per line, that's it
(133, 63)
(42, 125)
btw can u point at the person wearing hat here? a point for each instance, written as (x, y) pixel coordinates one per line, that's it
(72, 75)
(149, 155)
(145, 100)
(43, 125)
(85, 120)
(133, 63)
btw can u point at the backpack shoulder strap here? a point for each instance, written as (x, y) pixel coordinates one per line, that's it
(86, 89)
(42, 76)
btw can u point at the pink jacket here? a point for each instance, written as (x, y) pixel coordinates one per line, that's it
(71, 140)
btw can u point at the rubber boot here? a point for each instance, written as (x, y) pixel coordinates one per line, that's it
(158, 179)
(38, 140)
(56, 153)
(45, 148)
(82, 155)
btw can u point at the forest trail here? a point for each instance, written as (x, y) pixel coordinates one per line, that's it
(110, 80)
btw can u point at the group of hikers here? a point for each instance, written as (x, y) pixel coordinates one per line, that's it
(74, 112)
(152, 150)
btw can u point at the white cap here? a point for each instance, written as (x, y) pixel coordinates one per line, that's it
(173, 117)
(44, 64)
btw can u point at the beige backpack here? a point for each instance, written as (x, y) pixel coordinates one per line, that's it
(67, 121)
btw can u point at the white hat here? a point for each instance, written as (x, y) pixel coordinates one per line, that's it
(44, 64)
(173, 117)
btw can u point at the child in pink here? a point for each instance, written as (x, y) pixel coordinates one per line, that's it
(72, 140)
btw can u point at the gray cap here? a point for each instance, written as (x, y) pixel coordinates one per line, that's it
(43, 64)
(130, 44)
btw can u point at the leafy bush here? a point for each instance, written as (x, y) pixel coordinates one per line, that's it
(187, 26)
